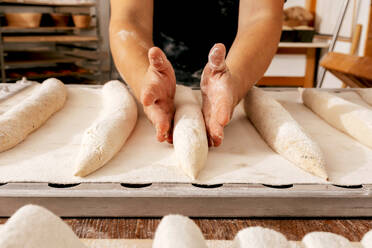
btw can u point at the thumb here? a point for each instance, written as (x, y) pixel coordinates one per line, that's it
(157, 59)
(216, 58)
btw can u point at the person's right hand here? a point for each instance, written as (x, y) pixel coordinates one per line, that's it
(157, 93)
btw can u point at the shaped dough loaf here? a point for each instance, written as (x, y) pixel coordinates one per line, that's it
(258, 237)
(367, 240)
(178, 231)
(282, 133)
(35, 227)
(107, 135)
(346, 116)
(31, 113)
(189, 134)
(325, 240)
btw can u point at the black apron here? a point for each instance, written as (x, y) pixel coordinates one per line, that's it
(186, 30)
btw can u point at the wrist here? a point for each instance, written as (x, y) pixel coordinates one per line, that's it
(240, 87)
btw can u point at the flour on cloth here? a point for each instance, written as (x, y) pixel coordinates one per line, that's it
(48, 154)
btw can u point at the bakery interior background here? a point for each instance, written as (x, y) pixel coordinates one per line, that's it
(71, 43)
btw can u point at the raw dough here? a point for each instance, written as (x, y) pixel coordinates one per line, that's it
(366, 95)
(258, 237)
(107, 135)
(178, 231)
(346, 116)
(35, 227)
(189, 134)
(27, 116)
(325, 240)
(282, 133)
(367, 240)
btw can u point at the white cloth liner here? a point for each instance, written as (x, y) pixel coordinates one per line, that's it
(48, 154)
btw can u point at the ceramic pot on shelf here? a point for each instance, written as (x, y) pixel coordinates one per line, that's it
(23, 20)
(81, 20)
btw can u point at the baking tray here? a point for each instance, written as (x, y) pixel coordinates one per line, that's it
(153, 200)
(220, 200)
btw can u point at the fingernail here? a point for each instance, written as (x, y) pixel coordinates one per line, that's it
(158, 60)
(213, 53)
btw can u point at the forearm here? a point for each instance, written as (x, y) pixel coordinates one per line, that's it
(253, 50)
(129, 45)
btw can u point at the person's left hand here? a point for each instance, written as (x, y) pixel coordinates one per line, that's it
(219, 90)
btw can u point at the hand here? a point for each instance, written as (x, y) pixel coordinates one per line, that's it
(219, 94)
(157, 93)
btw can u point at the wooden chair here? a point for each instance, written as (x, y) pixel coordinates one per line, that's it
(354, 71)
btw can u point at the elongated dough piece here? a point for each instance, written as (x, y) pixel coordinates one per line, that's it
(189, 134)
(325, 240)
(178, 231)
(346, 116)
(366, 95)
(35, 227)
(106, 136)
(258, 237)
(282, 133)
(31, 113)
(367, 240)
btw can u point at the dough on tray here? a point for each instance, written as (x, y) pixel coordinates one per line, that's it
(178, 231)
(282, 133)
(367, 240)
(259, 237)
(31, 113)
(35, 227)
(325, 240)
(346, 116)
(106, 136)
(189, 134)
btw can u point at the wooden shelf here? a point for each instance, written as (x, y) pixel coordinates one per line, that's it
(27, 60)
(315, 44)
(8, 29)
(53, 38)
(36, 62)
(55, 75)
(57, 3)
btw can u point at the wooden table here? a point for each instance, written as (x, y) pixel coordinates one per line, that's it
(225, 229)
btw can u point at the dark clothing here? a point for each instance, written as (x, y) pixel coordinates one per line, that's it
(186, 31)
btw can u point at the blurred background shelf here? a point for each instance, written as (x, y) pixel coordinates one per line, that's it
(51, 3)
(41, 29)
(54, 38)
(39, 34)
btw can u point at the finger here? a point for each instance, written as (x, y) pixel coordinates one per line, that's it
(216, 58)
(213, 128)
(148, 98)
(161, 121)
(157, 59)
(215, 132)
(224, 112)
(162, 130)
(170, 135)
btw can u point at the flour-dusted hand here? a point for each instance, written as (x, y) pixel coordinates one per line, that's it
(219, 96)
(157, 94)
